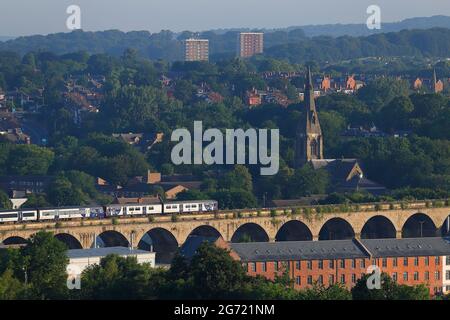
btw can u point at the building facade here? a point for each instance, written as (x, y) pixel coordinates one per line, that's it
(407, 261)
(250, 44)
(196, 50)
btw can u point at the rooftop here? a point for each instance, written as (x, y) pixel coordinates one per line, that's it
(298, 250)
(103, 252)
(408, 247)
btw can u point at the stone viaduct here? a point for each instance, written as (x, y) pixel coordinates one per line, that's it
(164, 234)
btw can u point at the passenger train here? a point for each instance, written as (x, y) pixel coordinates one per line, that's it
(113, 210)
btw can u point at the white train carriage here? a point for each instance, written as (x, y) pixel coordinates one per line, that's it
(28, 215)
(191, 206)
(9, 216)
(153, 209)
(63, 213)
(172, 208)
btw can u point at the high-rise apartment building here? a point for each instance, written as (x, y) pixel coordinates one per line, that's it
(250, 43)
(196, 50)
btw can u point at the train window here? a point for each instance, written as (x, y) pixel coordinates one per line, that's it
(150, 208)
(28, 214)
(8, 215)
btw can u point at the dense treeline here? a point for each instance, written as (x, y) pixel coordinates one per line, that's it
(38, 271)
(135, 101)
(292, 45)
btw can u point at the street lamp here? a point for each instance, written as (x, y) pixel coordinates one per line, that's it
(421, 228)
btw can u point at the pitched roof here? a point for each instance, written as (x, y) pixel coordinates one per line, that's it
(408, 247)
(298, 250)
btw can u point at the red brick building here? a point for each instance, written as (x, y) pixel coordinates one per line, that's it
(407, 261)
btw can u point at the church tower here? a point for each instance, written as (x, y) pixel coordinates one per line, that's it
(309, 139)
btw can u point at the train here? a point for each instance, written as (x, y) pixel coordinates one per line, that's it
(113, 210)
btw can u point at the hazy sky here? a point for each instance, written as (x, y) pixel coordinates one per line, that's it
(24, 17)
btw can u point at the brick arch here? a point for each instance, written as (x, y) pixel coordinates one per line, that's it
(253, 231)
(358, 227)
(69, 239)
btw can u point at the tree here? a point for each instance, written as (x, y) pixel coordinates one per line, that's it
(5, 203)
(238, 178)
(117, 278)
(320, 292)
(308, 181)
(215, 275)
(44, 262)
(390, 290)
(10, 287)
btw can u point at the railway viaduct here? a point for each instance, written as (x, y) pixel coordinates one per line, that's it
(164, 234)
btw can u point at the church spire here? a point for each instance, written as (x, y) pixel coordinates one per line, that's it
(309, 140)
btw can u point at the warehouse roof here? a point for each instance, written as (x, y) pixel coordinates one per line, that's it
(408, 247)
(103, 252)
(299, 250)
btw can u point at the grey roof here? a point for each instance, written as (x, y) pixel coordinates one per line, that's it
(408, 247)
(103, 252)
(298, 250)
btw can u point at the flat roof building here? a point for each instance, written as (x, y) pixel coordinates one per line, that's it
(250, 43)
(80, 259)
(196, 50)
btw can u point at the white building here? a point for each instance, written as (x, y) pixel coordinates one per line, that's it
(80, 259)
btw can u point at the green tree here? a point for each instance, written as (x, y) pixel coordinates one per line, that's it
(44, 262)
(390, 290)
(5, 203)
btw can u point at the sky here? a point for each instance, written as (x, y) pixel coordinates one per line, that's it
(26, 17)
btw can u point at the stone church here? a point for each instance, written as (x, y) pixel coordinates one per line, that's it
(346, 175)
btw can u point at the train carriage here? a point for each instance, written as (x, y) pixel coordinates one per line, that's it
(28, 215)
(191, 206)
(9, 216)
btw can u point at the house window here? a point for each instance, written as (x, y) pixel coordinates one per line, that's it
(297, 265)
(405, 276)
(342, 264)
(427, 275)
(437, 261)
(416, 261)
(416, 276)
(309, 264)
(405, 261)
(331, 279)
(447, 275)
(320, 264)
(427, 261)
(447, 260)
(437, 275)
(298, 280)
(264, 266)
(275, 266)
(362, 263)
(331, 264)
(395, 262)
(320, 279)
(353, 278)
(252, 266)
(394, 276)
(310, 280)
(353, 263)
(342, 278)
(384, 262)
